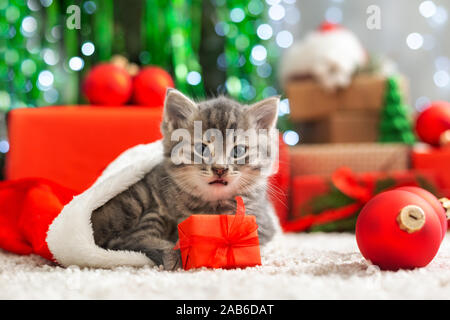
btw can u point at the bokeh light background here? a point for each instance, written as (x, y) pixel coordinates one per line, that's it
(230, 47)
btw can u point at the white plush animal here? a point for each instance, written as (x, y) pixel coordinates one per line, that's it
(330, 55)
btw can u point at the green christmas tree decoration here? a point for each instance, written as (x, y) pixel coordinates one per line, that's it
(395, 125)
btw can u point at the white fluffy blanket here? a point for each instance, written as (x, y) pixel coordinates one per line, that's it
(298, 266)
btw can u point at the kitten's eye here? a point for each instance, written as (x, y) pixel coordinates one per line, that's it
(238, 151)
(202, 150)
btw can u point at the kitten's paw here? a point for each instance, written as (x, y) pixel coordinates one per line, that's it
(172, 260)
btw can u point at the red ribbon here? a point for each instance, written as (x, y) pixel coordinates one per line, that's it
(346, 182)
(237, 236)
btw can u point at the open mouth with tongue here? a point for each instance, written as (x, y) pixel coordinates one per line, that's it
(219, 182)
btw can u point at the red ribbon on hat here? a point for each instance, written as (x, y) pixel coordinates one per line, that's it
(237, 236)
(346, 182)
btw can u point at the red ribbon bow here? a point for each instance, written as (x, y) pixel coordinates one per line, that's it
(236, 236)
(344, 180)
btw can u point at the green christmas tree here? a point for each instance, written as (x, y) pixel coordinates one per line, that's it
(395, 124)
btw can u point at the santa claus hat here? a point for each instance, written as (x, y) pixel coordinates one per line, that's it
(42, 217)
(70, 237)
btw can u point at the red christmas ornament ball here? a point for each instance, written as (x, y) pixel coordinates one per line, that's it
(398, 230)
(107, 84)
(434, 202)
(433, 122)
(150, 85)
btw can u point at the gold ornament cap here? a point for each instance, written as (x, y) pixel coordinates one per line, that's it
(446, 204)
(411, 218)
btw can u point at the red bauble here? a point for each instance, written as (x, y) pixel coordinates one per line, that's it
(398, 230)
(107, 84)
(433, 122)
(434, 202)
(150, 85)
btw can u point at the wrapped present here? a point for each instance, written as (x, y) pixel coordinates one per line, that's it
(321, 203)
(72, 145)
(219, 241)
(310, 101)
(435, 161)
(350, 114)
(324, 159)
(342, 127)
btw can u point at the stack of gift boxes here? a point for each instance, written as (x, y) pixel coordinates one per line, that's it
(356, 133)
(341, 130)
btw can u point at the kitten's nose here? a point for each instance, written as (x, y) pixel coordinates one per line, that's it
(219, 171)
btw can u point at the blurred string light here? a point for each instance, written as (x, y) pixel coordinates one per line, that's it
(422, 103)
(269, 92)
(29, 26)
(264, 31)
(264, 70)
(259, 53)
(4, 146)
(33, 5)
(28, 67)
(76, 63)
(237, 15)
(441, 78)
(46, 3)
(193, 78)
(283, 108)
(436, 16)
(50, 56)
(427, 9)
(277, 12)
(255, 7)
(51, 95)
(291, 137)
(5, 101)
(89, 7)
(441, 16)
(88, 48)
(45, 80)
(284, 39)
(414, 40)
(233, 85)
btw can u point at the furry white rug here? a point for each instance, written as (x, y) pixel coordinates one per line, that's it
(298, 266)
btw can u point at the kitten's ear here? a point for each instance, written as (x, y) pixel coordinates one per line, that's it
(264, 113)
(178, 109)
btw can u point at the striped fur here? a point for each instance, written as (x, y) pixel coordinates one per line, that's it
(144, 217)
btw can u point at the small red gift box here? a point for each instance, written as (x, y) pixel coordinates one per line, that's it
(324, 203)
(435, 161)
(219, 241)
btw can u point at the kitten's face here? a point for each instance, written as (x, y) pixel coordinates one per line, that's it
(215, 149)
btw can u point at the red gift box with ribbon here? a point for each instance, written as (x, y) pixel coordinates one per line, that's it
(333, 203)
(219, 241)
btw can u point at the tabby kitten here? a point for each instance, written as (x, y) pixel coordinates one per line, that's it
(144, 217)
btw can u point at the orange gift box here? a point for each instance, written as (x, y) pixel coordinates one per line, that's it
(219, 241)
(435, 161)
(72, 145)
